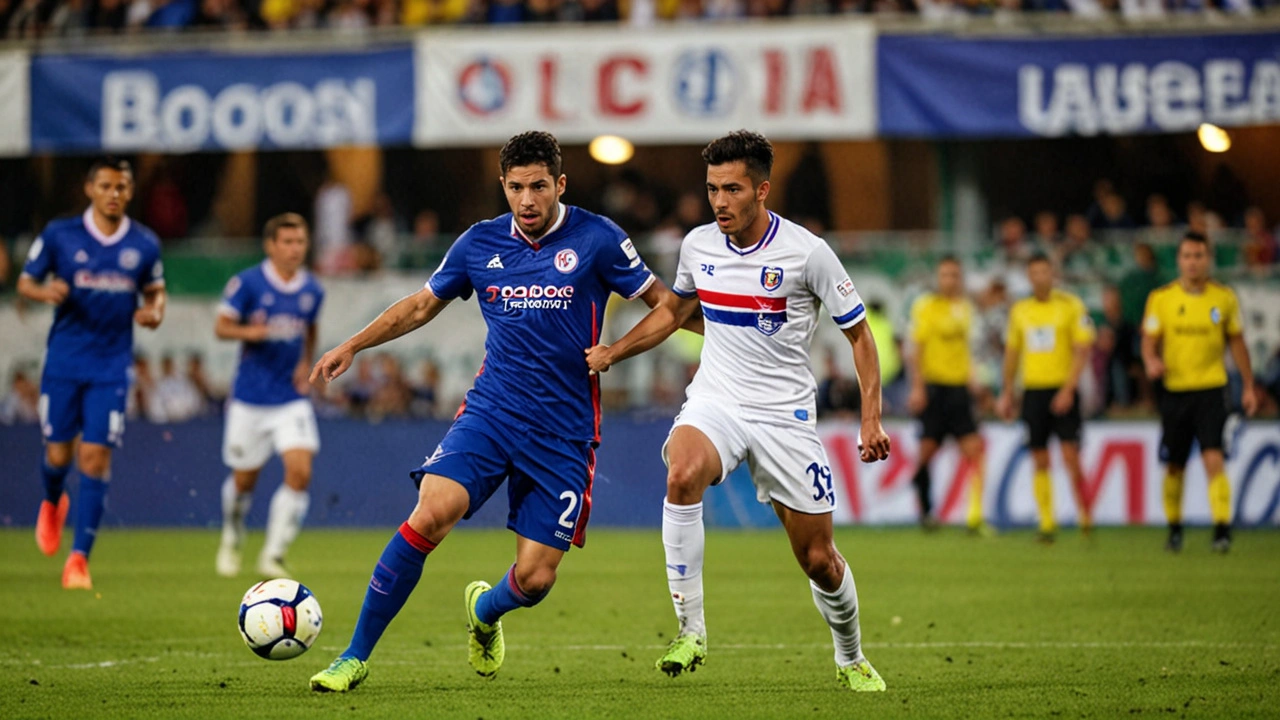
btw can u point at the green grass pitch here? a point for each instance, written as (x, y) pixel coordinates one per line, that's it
(959, 627)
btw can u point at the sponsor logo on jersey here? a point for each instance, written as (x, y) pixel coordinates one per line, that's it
(105, 281)
(771, 278)
(845, 288)
(285, 328)
(770, 323)
(566, 261)
(531, 297)
(495, 263)
(129, 259)
(630, 250)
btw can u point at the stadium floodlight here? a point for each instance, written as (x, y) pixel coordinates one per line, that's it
(1213, 138)
(611, 149)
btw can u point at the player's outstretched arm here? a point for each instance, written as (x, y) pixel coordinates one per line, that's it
(669, 312)
(53, 292)
(1240, 352)
(875, 442)
(405, 316)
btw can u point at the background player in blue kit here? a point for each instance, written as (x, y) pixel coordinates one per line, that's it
(271, 309)
(542, 274)
(92, 267)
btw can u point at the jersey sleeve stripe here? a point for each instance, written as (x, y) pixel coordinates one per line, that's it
(748, 302)
(227, 310)
(738, 318)
(852, 316)
(643, 287)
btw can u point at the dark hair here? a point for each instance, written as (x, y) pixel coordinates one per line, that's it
(108, 162)
(283, 220)
(1037, 257)
(1195, 237)
(949, 258)
(750, 147)
(531, 148)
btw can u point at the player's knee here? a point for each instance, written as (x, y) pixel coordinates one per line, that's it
(822, 563)
(58, 454)
(686, 480)
(94, 460)
(298, 477)
(1040, 459)
(535, 581)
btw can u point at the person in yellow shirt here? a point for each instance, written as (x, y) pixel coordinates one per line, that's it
(938, 368)
(1187, 327)
(1048, 339)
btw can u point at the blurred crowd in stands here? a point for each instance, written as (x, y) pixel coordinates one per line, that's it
(31, 19)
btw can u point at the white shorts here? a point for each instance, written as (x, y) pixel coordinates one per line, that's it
(788, 462)
(253, 432)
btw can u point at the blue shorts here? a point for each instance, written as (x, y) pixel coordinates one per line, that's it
(548, 478)
(94, 410)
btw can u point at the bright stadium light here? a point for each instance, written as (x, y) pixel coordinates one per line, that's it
(611, 149)
(1213, 138)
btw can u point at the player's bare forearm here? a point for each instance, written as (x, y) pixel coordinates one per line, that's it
(403, 317)
(1240, 353)
(1009, 371)
(1151, 356)
(228, 328)
(52, 292)
(309, 345)
(668, 313)
(866, 360)
(1079, 359)
(151, 314)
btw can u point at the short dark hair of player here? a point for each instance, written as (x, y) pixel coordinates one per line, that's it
(108, 162)
(534, 147)
(1037, 257)
(283, 220)
(1194, 237)
(750, 147)
(948, 259)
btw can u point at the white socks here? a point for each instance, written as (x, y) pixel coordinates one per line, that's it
(840, 610)
(235, 506)
(288, 508)
(685, 541)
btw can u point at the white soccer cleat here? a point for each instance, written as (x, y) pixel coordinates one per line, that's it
(273, 568)
(228, 561)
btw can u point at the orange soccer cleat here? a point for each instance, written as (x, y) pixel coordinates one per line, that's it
(50, 523)
(75, 574)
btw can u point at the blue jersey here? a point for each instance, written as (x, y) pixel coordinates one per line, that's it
(259, 296)
(92, 334)
(543, 303)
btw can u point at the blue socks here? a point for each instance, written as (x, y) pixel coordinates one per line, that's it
(503, 598)
(54, 478)
(90, 503)
(393, 580)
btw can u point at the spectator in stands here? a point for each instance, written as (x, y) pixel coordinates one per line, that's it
(359, 391)
(1047, 236)
(209, 397)
(807, 197)
(1198, 218)
(1102, 188)
(1260, 247)
(432, 12)
(1138, 283)
(334, 242)
(139, 404)
(425, 244)
(393, 394)
(22, 404)
(993, 305)
(425, 390)
(382, 231)
(165, 211)
(1075, 254)
(1012, 253)
(70, 19)
(1114, 215)
(176, 398)
(1162, 224)
(1116, 355)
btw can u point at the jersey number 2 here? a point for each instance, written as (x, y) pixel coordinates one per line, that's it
(572, 497)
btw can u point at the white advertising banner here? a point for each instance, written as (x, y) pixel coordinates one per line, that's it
(659, 85)
(15, 119)
(1122, 469)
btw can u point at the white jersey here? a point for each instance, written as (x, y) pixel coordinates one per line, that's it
(761, 310)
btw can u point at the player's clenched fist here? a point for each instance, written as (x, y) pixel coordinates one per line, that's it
(875, 443)
(331, 365)
(598, 358)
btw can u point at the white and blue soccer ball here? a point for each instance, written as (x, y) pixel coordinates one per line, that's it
(279, 619)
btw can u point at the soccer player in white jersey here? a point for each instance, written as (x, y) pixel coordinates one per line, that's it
(759, 280)
(271, 309)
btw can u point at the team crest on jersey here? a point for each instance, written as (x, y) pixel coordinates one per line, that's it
(82, 256)
(771, 279)
(268, 299)
(1214, 315)
(129, 258)
(566, 261)
(306, 301)
(770, 323)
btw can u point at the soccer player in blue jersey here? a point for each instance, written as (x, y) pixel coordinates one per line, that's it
(92, 268)
(541, 274)
(271, 309)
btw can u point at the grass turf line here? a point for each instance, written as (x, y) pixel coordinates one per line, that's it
(959, 627)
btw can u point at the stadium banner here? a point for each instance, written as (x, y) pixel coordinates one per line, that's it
(187, 101)
(171, 475)
(664, 85)
(15, 126)
(943, 86)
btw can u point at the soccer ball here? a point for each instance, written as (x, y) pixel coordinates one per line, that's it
(279, 619)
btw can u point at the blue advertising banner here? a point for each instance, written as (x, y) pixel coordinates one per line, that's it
(939, 86)
(179, 102)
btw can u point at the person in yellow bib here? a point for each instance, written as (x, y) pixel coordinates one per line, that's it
(1188, 325)
(939, 370)
(1048, 340)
